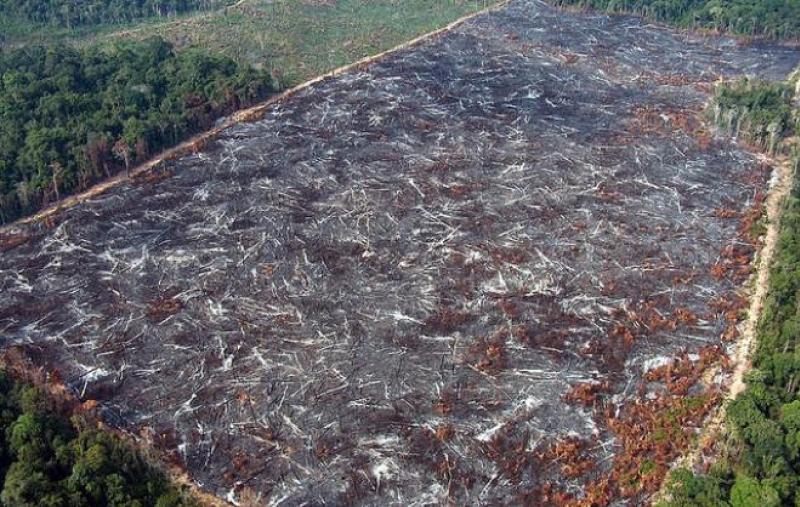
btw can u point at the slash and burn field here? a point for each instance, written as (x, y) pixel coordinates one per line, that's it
(489, 269)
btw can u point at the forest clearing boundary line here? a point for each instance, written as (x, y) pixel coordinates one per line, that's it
(250, 114)
(715, 424)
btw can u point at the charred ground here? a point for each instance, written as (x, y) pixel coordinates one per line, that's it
(491, 269)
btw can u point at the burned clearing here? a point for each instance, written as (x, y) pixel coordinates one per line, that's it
(491, 268)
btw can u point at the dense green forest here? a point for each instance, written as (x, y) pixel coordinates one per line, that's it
(46, 461)
(760, 463)
(768, 18)
(73, 13)
(758, 113)
(69, 117)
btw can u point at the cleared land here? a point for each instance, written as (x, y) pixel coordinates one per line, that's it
(492, 269)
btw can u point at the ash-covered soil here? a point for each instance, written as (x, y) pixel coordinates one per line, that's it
(446, 275)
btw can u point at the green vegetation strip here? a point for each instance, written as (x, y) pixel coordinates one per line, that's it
(756, 112)
(764, 18)
(760, 461)
(47, 461)
(18, 17)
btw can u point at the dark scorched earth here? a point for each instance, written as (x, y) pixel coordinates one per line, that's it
(447, 275)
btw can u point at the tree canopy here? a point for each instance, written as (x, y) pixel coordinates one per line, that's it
(767, 18)
(69, 117)
(46, 461)
(757, 112)
(72, 13)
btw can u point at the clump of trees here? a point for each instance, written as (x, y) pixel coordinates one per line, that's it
(765, 18)
(757, 112)
(69, 117)
(46, 461)
(760, 462)
(73, 13)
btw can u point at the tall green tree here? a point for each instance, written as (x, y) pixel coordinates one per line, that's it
(69, 117)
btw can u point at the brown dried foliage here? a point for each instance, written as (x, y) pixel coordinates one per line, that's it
(164, 307)
(586, 393)
(680, 374)
(508, 255)
(445, 432)
(734, 261)
(445, 404)
(328, 446)
(751, 216)
(510, 453)
(678, 79)
(488, 354)
(726, 213)
(428, 450)
(652, 434)
(571, 454)
(653, 120)
(447, 320)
